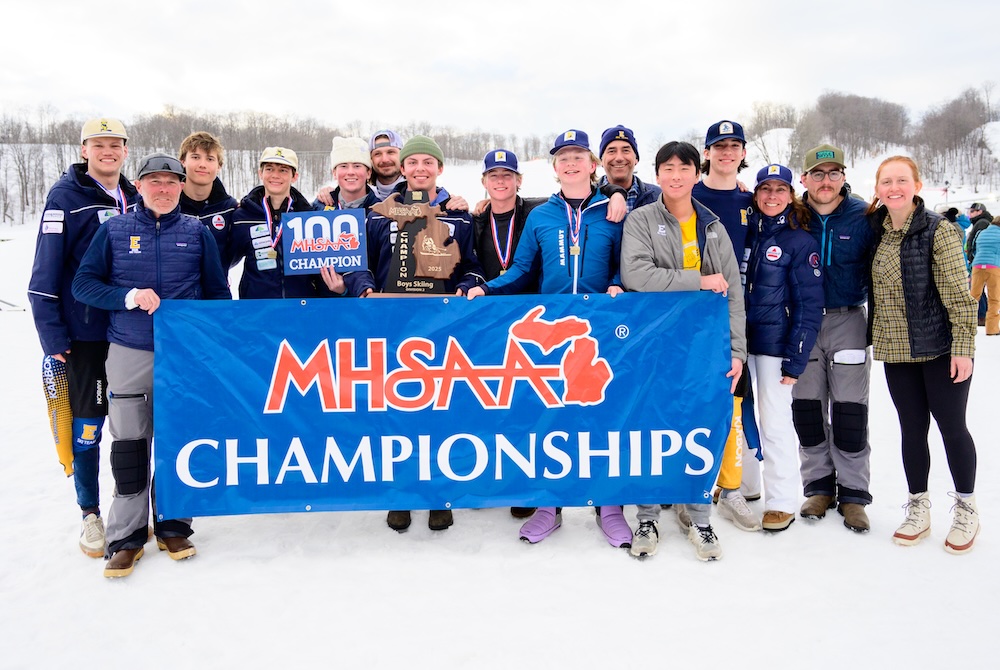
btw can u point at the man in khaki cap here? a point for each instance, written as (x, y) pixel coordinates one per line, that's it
(71, 334)
(257, 231)
(830, 400)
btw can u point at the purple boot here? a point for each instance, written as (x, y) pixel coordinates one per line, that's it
(543, 523)
(615, 527)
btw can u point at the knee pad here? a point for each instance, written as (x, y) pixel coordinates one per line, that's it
(807, 416)
(86, 434)
(850, 426)
(130, 465)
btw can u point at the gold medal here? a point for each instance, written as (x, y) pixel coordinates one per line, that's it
(272, 253)
(574, 250)
(503, 271)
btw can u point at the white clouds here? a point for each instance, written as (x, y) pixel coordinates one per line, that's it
(661, 68)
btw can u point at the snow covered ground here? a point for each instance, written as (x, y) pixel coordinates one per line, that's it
(342, 590)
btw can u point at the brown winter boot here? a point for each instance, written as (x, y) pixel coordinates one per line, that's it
(815, 507)
(855, 517)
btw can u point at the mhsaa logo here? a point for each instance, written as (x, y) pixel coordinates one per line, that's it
(345, 240)
(425, 377)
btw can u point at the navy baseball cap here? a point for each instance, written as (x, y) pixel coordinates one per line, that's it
(724, 130)
(619, 132)
(500, 158)
(775, 172)
(571, 138)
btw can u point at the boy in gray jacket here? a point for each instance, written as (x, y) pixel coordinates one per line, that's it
(676, 244)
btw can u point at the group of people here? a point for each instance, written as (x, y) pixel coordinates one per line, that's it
(797, 274)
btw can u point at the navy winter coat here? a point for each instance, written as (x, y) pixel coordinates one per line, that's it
(845, 243)
(217, 215)
(74, 210)
(174, 255)
(784, 292)
(248, 241)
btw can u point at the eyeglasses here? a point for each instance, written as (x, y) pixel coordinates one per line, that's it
(819, 175)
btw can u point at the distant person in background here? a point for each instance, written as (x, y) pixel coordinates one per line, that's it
(924, 329)
(86, 196)
(784, 296)
(981, 218)
(958, 218)
(719, 190)
(986, 274)
(830, 400)
(204, 196)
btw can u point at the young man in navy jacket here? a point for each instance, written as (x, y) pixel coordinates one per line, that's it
(86, 196)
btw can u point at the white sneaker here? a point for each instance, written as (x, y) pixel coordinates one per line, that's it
(705, 541)
(965, 525)
(917, 524)
(645, 540)
(92, 536)
(734, 508)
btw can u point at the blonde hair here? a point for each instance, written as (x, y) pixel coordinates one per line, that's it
(593, 159)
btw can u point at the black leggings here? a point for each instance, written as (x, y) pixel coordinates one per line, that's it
(918, 391)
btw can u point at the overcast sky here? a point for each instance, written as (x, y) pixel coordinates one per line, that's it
(663, 68)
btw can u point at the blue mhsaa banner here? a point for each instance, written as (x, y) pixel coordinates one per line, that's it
(434, 403)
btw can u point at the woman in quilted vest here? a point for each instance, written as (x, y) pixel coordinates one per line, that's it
(923, 328)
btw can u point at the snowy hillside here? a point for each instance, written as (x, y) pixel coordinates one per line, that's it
(342, 590)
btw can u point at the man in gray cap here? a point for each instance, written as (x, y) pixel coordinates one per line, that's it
(155, 245)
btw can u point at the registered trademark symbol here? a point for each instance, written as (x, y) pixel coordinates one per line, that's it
(621, 332)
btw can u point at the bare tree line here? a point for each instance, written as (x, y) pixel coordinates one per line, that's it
(948, 141)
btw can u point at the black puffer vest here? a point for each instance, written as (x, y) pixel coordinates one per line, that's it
(929, 327)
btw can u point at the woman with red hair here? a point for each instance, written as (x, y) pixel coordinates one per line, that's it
(924, 328)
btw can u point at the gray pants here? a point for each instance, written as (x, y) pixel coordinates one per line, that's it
(830, 410)
(700, 514)
(130, 418)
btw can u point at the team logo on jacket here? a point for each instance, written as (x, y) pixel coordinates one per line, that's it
(218, 222)
(773, 253)
(428, 375)
(133, 244)
(814, 260)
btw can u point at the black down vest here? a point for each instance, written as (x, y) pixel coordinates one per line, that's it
(929, 327)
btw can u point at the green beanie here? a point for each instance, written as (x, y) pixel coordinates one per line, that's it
(421, 144)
